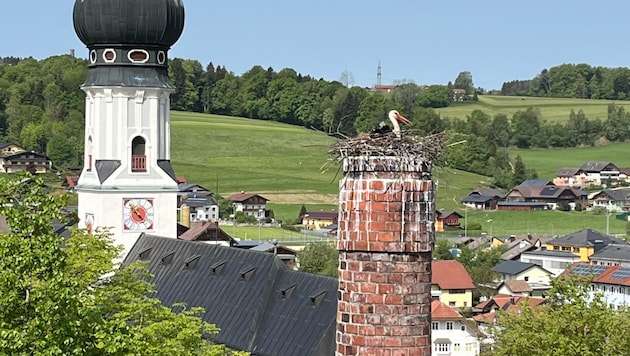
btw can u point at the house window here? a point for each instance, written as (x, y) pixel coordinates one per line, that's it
(449, 325)
(457, 291)
(138, 157)
(442, 347)
(451, 304)
(576, 249)
(556, 248)
(470, 346)
(526, 278)
(435, 326)
(456, 347)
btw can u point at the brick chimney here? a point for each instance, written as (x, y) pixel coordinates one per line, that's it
(386, 236)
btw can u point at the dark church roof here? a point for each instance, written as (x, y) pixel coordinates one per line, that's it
(135, 22)
(128, 41)
(260, 305)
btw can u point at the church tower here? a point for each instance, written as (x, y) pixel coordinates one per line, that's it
(128, 184)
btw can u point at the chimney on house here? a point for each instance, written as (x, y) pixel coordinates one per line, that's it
(386, 237)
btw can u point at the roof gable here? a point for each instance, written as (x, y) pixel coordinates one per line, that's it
(241, 197)
(441, 311)
(595, 167)
(586, 238)
(450, 274)
(514, 267)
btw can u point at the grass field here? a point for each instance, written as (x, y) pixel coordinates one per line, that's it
(284, 164)
(547, 162)
(552, 109)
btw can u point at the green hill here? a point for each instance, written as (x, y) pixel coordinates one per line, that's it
(552, 109)
(287, 164)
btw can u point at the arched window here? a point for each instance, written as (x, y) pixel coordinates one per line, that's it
(138, 157)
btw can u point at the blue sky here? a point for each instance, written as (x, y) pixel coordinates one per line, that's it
(428, 42)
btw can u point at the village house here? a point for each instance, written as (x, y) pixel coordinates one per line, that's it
(612, 255)
(451, 283)
(537, 195)
(482, 199)
(250, 204)
(445, 219)
(528, 272)
(590, 173)
(315, 220)
(14, 158)
(612, 200)
(451, 333)
(554, 261)
(583, 243)
(613, 282)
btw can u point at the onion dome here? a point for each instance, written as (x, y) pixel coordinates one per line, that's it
(127, 33)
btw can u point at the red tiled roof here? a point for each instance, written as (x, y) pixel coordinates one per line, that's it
(71, 181)
(441, 311)
(518, 286)
(450, 274)
(487, 318)
(244, 196)
(502, 301)
(621, 279)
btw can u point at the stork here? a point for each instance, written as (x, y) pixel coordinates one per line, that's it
(394, 117)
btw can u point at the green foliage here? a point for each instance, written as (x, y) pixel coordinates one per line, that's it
(435, 96)
(320, 258)
(573, 324)
(479, 263)
(64, 296)
(442, 250)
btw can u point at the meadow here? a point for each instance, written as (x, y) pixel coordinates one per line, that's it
(551, 109)
(548, 162)
(290, 165)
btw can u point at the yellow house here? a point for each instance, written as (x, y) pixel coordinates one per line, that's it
(7, 148)
(315, 220)
(582, 243)
(451, 284)
(522, 271)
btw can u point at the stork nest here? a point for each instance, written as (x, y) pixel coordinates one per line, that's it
(407, 147)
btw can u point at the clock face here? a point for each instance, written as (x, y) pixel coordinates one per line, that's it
(138, 214)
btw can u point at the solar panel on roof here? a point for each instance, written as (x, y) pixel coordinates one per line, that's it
(587, 270)
(621, 273)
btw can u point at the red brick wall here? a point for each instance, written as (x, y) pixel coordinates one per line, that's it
(386, 222)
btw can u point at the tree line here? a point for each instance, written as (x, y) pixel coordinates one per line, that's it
(574, 81)
(42, 109)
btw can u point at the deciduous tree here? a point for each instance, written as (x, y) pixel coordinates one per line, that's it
(64, 297)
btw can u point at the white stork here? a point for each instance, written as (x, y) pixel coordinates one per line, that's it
(394, 117)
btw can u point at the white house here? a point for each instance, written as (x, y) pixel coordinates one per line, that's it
(451, 333)
(553, 261)
(613, 282)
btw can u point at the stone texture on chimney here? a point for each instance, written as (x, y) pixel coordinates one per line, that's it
(386, 236)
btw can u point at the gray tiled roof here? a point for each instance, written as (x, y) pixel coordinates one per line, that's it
(567, 172)
(616, 252)
(596, 166)
(259, 304)
(586, 238)
(513, 267)
(551, 253)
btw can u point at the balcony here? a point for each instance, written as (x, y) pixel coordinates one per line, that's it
(138, 163)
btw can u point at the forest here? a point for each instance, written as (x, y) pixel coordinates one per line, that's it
(42, 108)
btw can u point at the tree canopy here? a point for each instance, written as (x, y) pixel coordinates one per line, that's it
(574, 322)
(64, 296)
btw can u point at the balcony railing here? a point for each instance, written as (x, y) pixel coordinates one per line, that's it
(138, 163)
